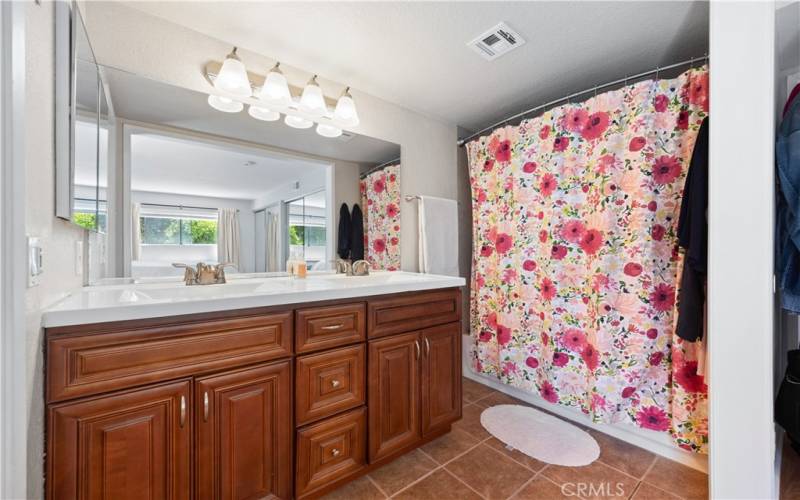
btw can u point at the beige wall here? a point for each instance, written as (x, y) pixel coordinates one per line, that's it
(58, 237)
(176, 55)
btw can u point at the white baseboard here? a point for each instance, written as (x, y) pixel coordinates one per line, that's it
(656, 442)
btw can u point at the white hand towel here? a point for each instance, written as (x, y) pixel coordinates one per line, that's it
(438, 236)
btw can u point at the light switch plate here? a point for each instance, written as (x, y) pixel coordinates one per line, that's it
(35, 261)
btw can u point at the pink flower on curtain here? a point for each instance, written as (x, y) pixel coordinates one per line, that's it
(548, 392)
(574, 340)
(591, 241)
(573, 231)
(653, 418)
(662, 297)
(666, 169)
(596, 125)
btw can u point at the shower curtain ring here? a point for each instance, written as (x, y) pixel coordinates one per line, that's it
(658, 70)
(595, 90)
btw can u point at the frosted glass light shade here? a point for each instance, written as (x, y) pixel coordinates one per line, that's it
(232, 77)
(346, 113)
(312, 101)
(263, 114)
(298, 122)
(275, 90)
(224, 104)
(326, 130)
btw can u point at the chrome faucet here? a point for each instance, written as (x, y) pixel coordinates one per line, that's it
(360, 268)
(344, 267)
(204, 274)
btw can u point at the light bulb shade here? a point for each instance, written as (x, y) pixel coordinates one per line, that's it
(275, 90)
(263, 114)
(224, 104)
(326, 130)
(232, 77)
(312, 101)
(345, 113)
(298, 122)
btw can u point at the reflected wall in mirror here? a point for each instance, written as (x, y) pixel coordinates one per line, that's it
(199, 185)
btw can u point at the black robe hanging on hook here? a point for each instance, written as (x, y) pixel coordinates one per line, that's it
(357, 238)
(345, 233)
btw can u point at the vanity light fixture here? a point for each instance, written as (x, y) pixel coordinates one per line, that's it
(312, 101)
(330, 131)
(263, 114)
(232, 77)
(275, 90)
(295, 121)
(224, 104)
(274, 97)
(345, 112)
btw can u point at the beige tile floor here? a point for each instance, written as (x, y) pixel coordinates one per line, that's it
(468, 463)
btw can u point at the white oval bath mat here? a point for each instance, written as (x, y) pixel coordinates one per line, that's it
(541, 436)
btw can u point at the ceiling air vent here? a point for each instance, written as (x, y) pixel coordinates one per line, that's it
(495, 42)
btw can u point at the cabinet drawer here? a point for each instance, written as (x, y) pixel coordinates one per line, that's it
(126, 354)
(332, 326)
(329, 382)
(405, 313)
(330, 450)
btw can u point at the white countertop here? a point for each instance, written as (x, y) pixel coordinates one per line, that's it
(118, 302)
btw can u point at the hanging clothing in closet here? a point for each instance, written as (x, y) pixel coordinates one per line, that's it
(380, 197)
(787, 153)
(345, 233)
(574, 278)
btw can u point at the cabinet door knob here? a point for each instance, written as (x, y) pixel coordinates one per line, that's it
(205, 406)
(183, 410)
(335, 383)
(416, 347)
(335, 452)
(427, 348)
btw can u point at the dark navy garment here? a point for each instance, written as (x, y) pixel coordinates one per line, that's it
(345, 235)
(693, 238)
(787, 153)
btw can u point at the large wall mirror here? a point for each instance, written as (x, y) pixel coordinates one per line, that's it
(186, 183)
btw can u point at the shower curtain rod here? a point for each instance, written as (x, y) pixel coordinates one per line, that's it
(378, 167)
(690, 62)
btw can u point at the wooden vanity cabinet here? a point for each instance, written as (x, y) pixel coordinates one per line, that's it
(269, 402)
(414, 387)
(244, 433)
(130, 445)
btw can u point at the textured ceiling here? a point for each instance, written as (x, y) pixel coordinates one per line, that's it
(414, 53)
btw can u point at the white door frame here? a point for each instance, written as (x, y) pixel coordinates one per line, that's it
(740, 253)
(13, 259)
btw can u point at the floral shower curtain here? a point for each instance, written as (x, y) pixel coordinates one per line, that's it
(575, 263)
(380, 198)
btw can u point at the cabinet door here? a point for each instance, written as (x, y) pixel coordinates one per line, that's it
(129, 445)
(393, 394)
(244, 433)
(441, 376)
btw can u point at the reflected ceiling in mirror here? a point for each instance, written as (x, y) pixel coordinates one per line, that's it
(149, 101)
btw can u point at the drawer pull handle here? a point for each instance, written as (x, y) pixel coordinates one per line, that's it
(335, 452)
(335, 383)
(416, 346)
(205, 406)
(333, 327)
(427, 348)
(183, 410)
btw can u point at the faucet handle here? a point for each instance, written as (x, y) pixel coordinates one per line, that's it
(361, 267)
(189, 274)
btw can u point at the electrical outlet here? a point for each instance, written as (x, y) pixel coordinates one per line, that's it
(35, 261)
(78, 258)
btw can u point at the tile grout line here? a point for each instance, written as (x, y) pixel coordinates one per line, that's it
(463, 482)
(526, 483)
(375, 483)
(438, 466)
(412, 483)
